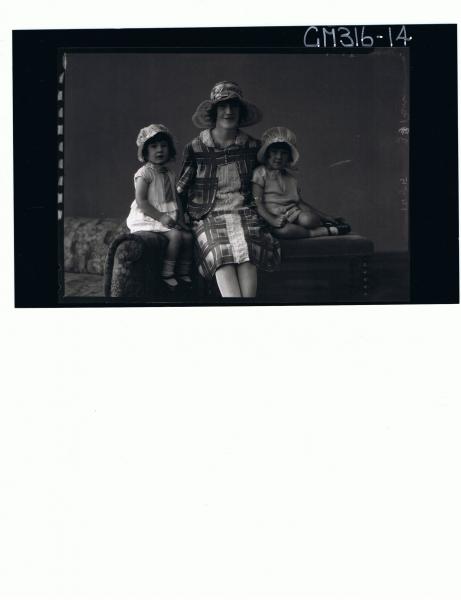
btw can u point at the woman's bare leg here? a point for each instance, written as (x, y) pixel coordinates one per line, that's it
(228, 282)
(248, 279)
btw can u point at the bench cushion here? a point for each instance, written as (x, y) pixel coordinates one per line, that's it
(349, 245)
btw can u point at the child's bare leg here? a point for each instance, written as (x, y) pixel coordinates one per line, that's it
(309, 219)
(248, 279)
(174, 238)
(228, 283)
(291, 231)
(185, 257)
(321, 224)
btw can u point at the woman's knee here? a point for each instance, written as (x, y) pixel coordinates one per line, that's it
(247, 267)
(225, 270)
(228, 283)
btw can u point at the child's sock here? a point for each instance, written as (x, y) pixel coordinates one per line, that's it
(168, 272)
(183, 270)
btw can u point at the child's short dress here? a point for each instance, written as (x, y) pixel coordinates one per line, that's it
(158, 196)
(281, 192)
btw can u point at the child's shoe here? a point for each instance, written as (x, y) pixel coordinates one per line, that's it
(337, 227)
(169, 286)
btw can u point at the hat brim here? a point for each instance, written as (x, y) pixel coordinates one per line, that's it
(278, 140)
(202, 117)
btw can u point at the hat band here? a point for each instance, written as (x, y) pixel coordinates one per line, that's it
(225, 96)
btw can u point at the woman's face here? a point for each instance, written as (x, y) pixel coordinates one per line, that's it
(278, 156)
(228, 114)
(158, 152)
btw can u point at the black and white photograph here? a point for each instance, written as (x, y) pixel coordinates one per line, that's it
(277, 177)
(229, 301)
(282, 166)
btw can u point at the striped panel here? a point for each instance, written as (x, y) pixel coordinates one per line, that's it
(60, 139)
(60, 175)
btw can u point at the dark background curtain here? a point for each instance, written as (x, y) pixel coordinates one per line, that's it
(346, 110)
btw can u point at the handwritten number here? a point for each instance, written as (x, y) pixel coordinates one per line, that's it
(403, 35)
(390, 37)
(328, 36)
(347, 34)
(369, 39)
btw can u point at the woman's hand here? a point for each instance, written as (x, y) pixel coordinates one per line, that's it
(167, 221)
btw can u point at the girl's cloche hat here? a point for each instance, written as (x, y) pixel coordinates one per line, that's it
(222, 91)
(277, 135)
(149, 132)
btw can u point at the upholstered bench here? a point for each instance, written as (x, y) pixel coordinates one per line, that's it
(322, 269)
(86, 244)
(102, 259)
(133, 266)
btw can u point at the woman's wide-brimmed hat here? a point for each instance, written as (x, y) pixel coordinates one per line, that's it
(149, 132)
(278, 135)
(222, 91)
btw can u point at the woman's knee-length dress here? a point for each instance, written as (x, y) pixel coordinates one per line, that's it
(217, 185)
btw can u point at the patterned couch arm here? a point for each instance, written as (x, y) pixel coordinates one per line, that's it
(133, 265)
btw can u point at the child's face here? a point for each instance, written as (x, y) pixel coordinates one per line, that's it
(228, 114)
(278, 156)
(158, 152)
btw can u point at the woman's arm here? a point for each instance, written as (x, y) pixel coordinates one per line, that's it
(181, 219)
(187, 176)
(188, 171)
(258, 195)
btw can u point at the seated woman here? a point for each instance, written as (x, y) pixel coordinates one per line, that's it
(215, 185)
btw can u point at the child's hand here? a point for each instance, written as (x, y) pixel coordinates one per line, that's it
(278, 221)
(167, 221)
(182, 225)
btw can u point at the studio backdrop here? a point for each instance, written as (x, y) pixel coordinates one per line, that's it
(349, 113)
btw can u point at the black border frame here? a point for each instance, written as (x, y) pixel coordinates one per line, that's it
(433, 186)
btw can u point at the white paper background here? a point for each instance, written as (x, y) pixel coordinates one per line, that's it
(225, 453)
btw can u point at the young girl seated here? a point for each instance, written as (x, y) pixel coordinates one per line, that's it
(276, 191)
(156, 208)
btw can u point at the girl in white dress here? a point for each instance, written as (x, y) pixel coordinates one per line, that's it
(156, 207)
